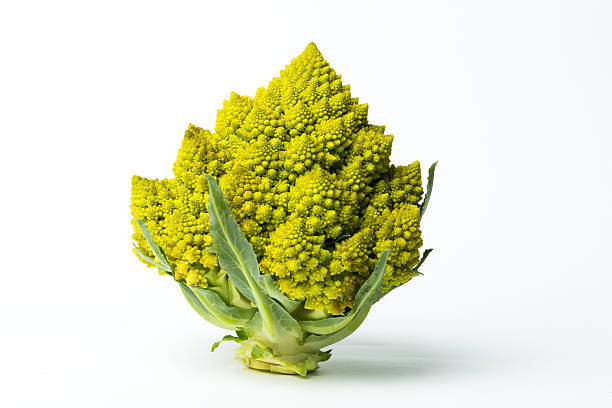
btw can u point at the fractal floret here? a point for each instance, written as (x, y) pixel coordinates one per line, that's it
(288, 222)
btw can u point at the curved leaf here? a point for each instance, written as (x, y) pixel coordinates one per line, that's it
(211, 307)
(316, 342)
(415, 270)
(227, 337)
(219, 282)
(150, 260)
(369, 292)
(235, 253)
(159, 253)
(234, 316)
(285, 326)
(238, 260)
(423, 258)
(271, 288)
(430, 180)
(195, 303)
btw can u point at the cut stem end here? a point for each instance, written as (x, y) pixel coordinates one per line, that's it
(262, 359)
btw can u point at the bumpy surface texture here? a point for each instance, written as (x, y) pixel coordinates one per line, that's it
(309, 182)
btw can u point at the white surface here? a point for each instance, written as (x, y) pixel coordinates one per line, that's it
(513, 99)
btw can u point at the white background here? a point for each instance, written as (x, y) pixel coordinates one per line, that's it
(513, 98)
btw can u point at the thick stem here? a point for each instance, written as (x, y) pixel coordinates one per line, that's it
(271, 367)
(257, 356)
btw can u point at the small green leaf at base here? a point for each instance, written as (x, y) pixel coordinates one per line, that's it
(227, 337)
(258, 352)
(325, 355)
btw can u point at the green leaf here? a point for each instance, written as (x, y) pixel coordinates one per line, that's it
(272, 290)
(238, 260)
(195, 303)
(260, 352)
(423, 258)
(241, 333)
(159, 253)
(369, 292)
(415, 270)
(234, 316)
(315, 342)
(235, 298)
(218, 281)
(430, 180)
(211, 307)
(227, 337)
(150, 260)
(235, 253)
(285, 326)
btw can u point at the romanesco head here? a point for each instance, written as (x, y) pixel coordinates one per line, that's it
(308, 180)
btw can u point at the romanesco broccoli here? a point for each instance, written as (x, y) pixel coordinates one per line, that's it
(309, 182)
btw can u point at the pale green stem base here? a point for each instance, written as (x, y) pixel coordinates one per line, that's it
(257, 358)
(264, 366)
